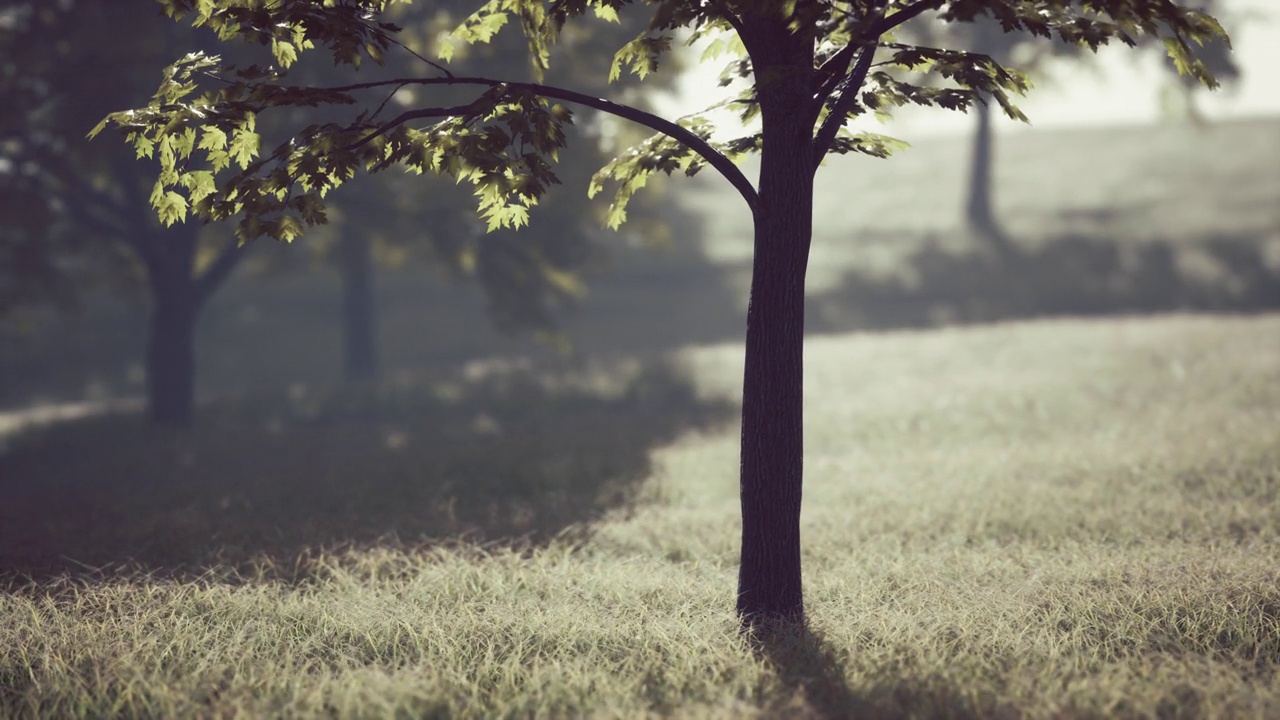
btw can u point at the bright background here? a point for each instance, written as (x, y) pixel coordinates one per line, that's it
(1122, 88)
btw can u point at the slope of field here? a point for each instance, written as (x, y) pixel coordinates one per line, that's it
(1038, 520)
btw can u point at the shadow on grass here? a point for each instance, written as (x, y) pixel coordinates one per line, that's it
(814, 682)
(503, 457)
(812, 677)
(1071, 275)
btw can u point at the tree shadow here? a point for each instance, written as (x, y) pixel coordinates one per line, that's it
(503, 456)
(1072, 275)
(812, 679)
(814, 682)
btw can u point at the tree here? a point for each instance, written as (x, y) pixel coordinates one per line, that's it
(1217, 58)
(979, 209)
(816, 66)
(1028, 53)
(1031, 54)
(64, 196)
(529, 280)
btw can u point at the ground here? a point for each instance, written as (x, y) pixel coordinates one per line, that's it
(1041, 485)
(1043, 519)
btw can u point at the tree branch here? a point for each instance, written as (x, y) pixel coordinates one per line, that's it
(414, 53)
(137, 233)
(835, 67)
(713, 157)
(834, 70)
(888, 23)
(836, 118)
(213, 276)
(404, 117)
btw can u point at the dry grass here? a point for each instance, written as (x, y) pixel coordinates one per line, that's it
(1059, 519)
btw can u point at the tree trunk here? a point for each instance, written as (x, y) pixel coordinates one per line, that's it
(980, 213)
(979, 210)
(176, 302)
(171, 358)
(359, 344)
(769, 582)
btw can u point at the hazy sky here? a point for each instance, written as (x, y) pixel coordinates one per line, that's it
(1121, 89)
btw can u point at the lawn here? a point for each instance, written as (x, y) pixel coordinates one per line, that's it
(1060, 518)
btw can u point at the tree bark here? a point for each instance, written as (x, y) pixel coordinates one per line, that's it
(178, 295)
(171, 356)
(171, 359)
(359, 328)
(769, 579)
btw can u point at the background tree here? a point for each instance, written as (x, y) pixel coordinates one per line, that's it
(1037, 56)
(528, 280)
(74, 211)
(1216, 56)
(816, 65)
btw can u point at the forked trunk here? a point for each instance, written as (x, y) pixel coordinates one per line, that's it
(769, 587)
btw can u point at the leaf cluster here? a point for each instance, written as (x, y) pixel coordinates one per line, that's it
(1094, 23)
(500, 143)
(349, 29)
(505, 141)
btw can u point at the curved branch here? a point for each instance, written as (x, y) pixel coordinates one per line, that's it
(833, 70)
(835, 67)
(714, 158)
(835, 119)
(220, 269)
(888, 23)
(404, 117)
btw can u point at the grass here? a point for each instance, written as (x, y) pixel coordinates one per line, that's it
(1041, 520)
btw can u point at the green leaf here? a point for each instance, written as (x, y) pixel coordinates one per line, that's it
(219, 160)
(285, 53)
(184, 143)
(199, 184)
(288, 229)
(213, 139)
(98, 128)
(144, 146)
(171, 207)
(244, 146)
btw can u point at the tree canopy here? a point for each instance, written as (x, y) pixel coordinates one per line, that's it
(203, 118)
(816, 67)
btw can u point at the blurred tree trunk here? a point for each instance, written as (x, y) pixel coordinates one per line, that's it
(978, 209)
(171, 361)
(980, 216)
(175, 306)
(359, 324)
(179, 291)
